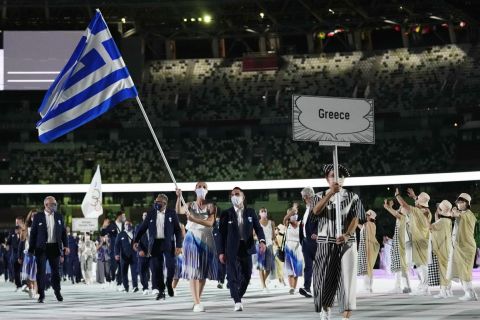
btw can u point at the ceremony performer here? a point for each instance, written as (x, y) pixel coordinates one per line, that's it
(420, 218)
(368, 250)
(335, 266)
(461, 262)
(401, 244)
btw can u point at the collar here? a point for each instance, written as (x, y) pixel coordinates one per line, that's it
(161, 212)
(47, 214)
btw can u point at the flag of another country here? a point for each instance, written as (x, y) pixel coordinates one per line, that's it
(92, 202)
(94, 80)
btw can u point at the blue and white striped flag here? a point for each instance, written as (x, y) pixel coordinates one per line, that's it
(94, 79)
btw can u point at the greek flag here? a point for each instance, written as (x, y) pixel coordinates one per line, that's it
(94, 80)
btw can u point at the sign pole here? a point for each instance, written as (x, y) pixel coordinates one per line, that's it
(338, 218)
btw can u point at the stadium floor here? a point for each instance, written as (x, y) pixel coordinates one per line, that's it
(93, 302)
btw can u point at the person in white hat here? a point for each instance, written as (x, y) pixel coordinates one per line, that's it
(368, 250)
(420, 217)
(441, 240)
(461, 263)
(401, 244)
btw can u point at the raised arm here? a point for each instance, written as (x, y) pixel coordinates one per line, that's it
(178, 205)
(400, 200)
(390, 210)
(322, 203)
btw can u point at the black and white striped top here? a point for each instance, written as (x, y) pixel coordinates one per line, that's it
(350, 207)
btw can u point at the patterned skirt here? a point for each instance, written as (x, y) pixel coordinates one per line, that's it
(433, 272)
(362, 256)
(293, 259)
(29, 268)
(266, 260)
(200, 259)
(396, 263)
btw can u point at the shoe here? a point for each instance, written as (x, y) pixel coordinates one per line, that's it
(145, 292)
(25, 288)
(155, 292)
(468, 297)
(220, 285)
(238, 307)
(291, 291)
(160, 295)
(198, 308)
(41, 299)
(325, 315)
(121, 289)
(407, 290)
(135, 290)
(170, 291)
(58, 296)
(31, 293)
(304, 292)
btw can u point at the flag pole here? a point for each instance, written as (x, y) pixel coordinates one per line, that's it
(159, 148)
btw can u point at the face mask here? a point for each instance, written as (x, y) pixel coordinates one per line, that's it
(74, 235)
(237, 201)
(129, 227)
(263, 214)
(294, 218)
(201, 192)
(87, 238)
(53, 207)
(157, 206)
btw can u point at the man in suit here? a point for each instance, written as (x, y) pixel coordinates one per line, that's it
(164, 242)
(236, 244)
(48, 241)
(308, 239)
(127, 257)
(143, 260)
(113, 229)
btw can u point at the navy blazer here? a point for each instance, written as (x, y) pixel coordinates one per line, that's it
(229, 232)
(123, 246)
(143, 243)
(172, 231)
(311, 226)
(39, 233)
(12, 242)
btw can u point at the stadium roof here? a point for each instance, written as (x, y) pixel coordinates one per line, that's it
(174, 18)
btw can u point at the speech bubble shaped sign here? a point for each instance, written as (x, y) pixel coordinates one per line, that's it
(333, 119)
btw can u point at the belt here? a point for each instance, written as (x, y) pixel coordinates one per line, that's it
(330, 239)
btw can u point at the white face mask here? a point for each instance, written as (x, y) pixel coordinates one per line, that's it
(294, 218)
(263, 214)
(87, 238)
(201, 193)
(237, 201)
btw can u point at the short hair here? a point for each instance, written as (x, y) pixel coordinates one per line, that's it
(264, 209)
(46, 198)
(307, 191)
(238, 188)
(163, 196)
(119, 213)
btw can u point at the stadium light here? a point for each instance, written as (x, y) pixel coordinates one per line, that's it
(262, 15)
(207, 18)
(247, 185)
(124, 20)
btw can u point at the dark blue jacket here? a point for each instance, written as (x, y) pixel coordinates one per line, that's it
(73, 246)
(311, 226)
(12, 242)
(123, 246)
(143, 243)
(39, 233)
(172, 231)
(229, 233)
(112, 231)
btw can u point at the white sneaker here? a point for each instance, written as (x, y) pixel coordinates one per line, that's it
(291, 291)
(31, 293)
(24, 288)
(325, 315)
(468, 297)
(198, 308)
(155, 292)
(145, 292)
(238, 307)
(121, 289)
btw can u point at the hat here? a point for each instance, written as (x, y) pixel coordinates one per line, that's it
(446, 207)
(465, 196)
(371, 213)
(342, 169)
(281, 228)
(423, 199)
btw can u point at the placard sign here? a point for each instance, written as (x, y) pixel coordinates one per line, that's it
(333, 120)
(84, 224)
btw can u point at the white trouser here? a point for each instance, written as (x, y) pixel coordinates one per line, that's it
(401, 278)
